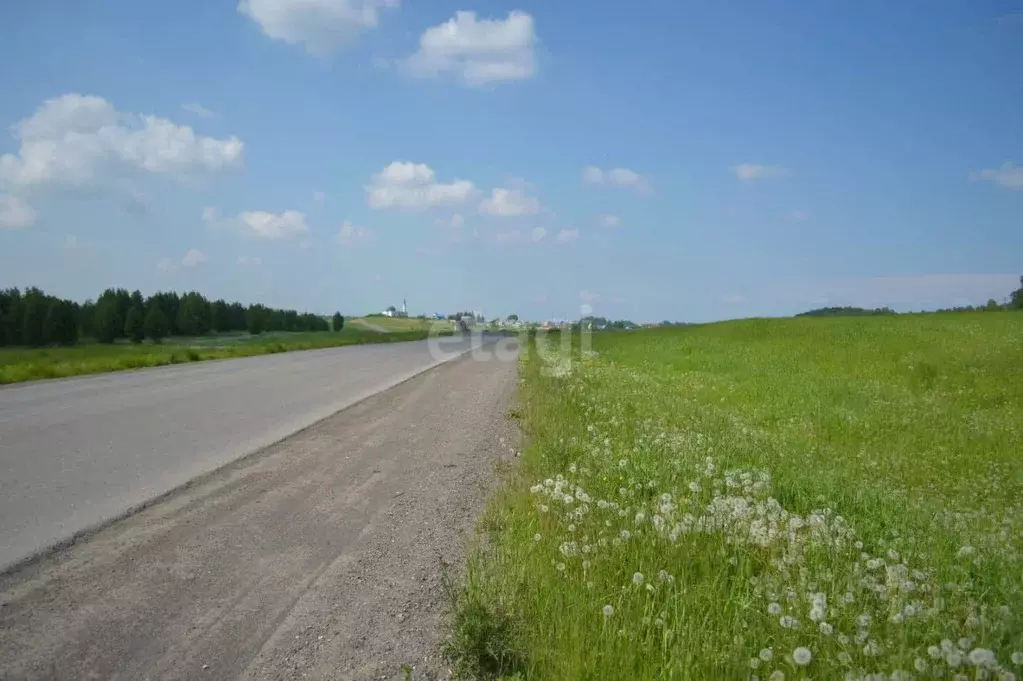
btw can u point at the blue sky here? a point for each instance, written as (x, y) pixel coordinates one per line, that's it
(654, 160)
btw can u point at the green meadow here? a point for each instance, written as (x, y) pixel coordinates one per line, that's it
(759, 499)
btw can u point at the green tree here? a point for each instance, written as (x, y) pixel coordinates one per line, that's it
(194, 315)
(512, 318)
(33, 318)
(255, 319)
(156, 326)
(135, 324)
(1016, 297)
(137, 301)
(61, 325)
(10, 316)
(107, 323)
(221, 316)
(337, 322)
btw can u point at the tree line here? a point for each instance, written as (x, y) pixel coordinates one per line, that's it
(33, 318)
(1013, 302)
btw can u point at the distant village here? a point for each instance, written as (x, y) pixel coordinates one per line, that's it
(476, 319)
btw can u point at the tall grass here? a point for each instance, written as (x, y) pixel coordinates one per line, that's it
(23, 364)
(825, 498)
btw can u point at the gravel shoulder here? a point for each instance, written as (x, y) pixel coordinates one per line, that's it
(318, 557)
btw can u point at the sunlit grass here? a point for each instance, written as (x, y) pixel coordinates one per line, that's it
(822, 498)
(27, 364)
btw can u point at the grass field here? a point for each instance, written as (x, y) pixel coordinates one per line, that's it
(770, 499)
(405, 323)
(27, 364)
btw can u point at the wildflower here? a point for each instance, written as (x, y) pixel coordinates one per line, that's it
(774, 609)
(537, 537)
(694, 486)
(844, 658)
(802, 656)
(754, 662)
(953, 658)
(920, 664)
(608, 611)
(1017, 658)
(964, 643)
(766, 654)
(664, 576)
(637, 578)
(788, 622)
(871, 649)
(560, 567)
(982, 657)
(826, 628)
(571, 528)
(625, 534)
(934, 652)
(640, 517)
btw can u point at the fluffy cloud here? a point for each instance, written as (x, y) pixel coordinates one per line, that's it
(318, 26)
(607, 220)
(83, 142)
(509, 203)
(15, 213)
(756, 171)
(1009, 176)
(616, 177)
(268, 225)
(567, 235)
(193, 258)
(350, 235)
(478, 51)
(413, 186)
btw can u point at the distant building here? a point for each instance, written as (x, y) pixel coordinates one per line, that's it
(392, 312)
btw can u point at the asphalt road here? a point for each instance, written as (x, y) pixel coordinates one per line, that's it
(78, 452)
(318, 557)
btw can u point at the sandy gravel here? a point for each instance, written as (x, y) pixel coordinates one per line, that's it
(318, 557)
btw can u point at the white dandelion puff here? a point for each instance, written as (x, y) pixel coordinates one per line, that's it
(802, 656)
(766, 654)
(637, 578)
(608, 610)
(774, 609)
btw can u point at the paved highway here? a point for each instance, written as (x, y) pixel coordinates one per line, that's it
(78, 452)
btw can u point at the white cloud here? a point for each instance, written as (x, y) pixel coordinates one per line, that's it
(756, 171)
(249, 260)
(607, 220)
(193, 258)
(318, 26)
(478, 51)
(15, 213)
(567, 235)
(413, 186)
(616, 177)
(83, 142)
(509, 203)
(539, 233)
(199, 110)
(1009, 176)
(267, 225)
(350, 235)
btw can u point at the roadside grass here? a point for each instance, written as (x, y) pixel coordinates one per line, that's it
(28, 364)
(770, 499)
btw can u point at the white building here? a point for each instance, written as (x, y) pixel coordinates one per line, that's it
(391, 312)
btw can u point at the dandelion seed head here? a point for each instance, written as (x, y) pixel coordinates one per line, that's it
(608, 610)
(637, 578)
(802, 656)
